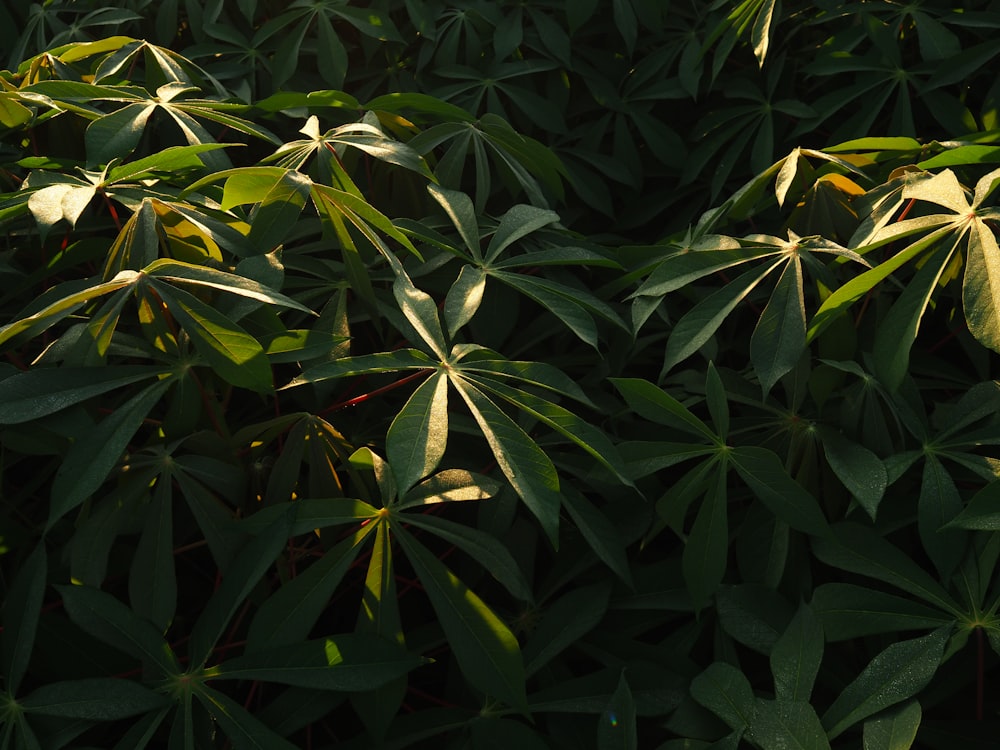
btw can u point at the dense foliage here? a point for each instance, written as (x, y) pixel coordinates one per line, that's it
(412, 374)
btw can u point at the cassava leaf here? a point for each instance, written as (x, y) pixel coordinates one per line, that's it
(486, 650)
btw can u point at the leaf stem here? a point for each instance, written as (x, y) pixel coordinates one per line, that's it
(377, 392)
(980, 658)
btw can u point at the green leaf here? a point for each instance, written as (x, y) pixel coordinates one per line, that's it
(896, 674)
(245, 731)
(421, 312)
(401, 359)
(519, 221)
(563, 302)
(451, 486)
(850, 611)
(165, 162)
(537, 374)
(242, 576)
(982, 513)
(116, 135)
(785, 724)
(278, 210)
(341, 662)
(718, 403)
(235, 355)
(379, 616)
(760, 35)
(939, 503)
(599, 531)
(56, 311)
(107, 619)
(698, 325)
(525, 465)
(860, 470)
(485, 549)
(291, 612)
(893, 730)
(458, 206)
(486, 650)
(91, 459)
(981, 288)
(655, 404)
(707, 547)
(565, 622)
(168, 269)
(779, 338)
(724, 691)
(761, 469)
(862, 550)
(417, 438)
(60, 202)
(464, 298)
(152, 583)
(898, 330)
(492, 733)
(583, 434)
(682, 269)
(845, 296)
(796, 657)
(617, 727)
(21, 609)
(95, 699)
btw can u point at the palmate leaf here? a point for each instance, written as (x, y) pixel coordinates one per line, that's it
(363, 136)
(486, 650)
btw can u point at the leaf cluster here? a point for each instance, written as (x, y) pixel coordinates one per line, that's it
(331, 416)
